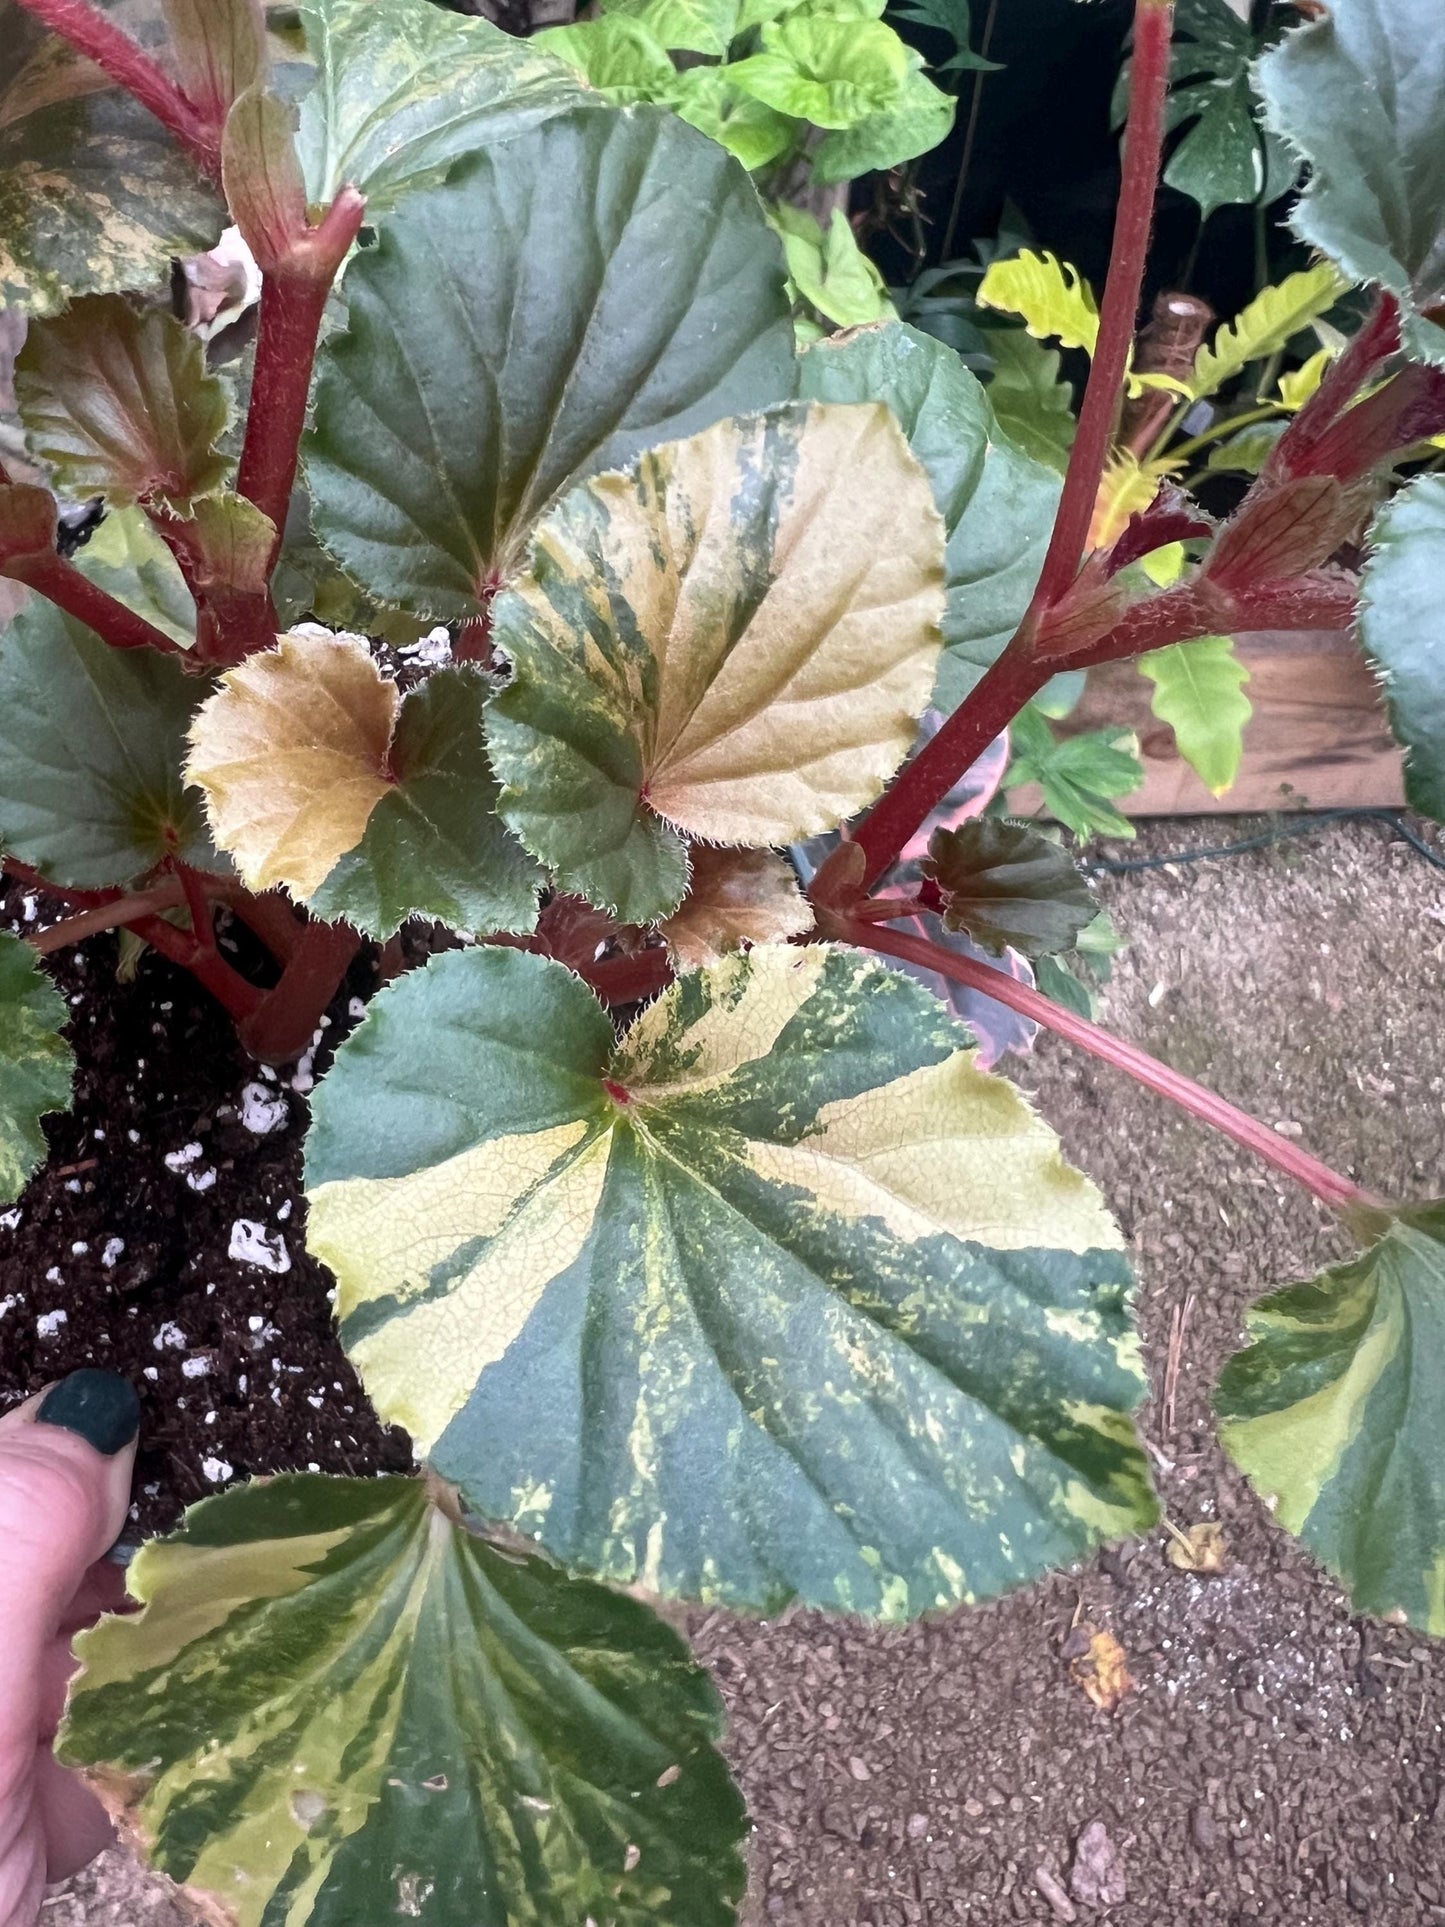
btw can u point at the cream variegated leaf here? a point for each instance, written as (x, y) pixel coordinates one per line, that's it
(319, 777)
(95, 195)
(290, 753)
(35, 1061)
(779, 1295)
(1336, 1412)
(339, 1706)
(735, 897)
(703, 644)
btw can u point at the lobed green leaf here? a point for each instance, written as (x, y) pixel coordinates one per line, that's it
(1199, 692)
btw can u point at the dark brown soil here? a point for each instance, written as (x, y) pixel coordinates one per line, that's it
(1278, 1760)
(119, 1253)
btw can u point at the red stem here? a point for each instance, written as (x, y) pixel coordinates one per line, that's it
(293, 300)
(60, 582)
(286, 1017)
(1099, 414)
(121, 908)
(116, 54)
(1319, 601)
(1332, 1189)
(229, 988)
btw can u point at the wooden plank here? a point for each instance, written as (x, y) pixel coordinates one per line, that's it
(1318, 738)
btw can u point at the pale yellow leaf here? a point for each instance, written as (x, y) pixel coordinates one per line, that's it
(291, 754)
(1053, 300)
(735, 897)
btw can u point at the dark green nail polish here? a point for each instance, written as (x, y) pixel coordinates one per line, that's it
(100, 1406)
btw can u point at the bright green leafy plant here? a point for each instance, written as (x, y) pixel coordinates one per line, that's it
(806, 93)
(672, 1214)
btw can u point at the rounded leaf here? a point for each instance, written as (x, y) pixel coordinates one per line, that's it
(1402, 625)
(35, 1062)
(780, 1295)
(339, 1705)
(561, 333)
(92, 740)
(704, 642)
(1336, 1413)
(1360, 93)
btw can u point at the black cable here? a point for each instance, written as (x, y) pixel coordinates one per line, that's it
(1303, 826)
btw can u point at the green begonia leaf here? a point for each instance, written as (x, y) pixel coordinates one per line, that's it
(340, 1705)
(35, 1062)
(1199, 692)
(684, 26)
(435, 846)
(832, 72)
(919, 119)
(561, 333)
(619, 56)
(117, 401)
(779, 1295)
(1360, 93)
(1009, 887)
(404, 88)
(1336, 1413)
(707, 100)
(702, 644)
(1030, 399)
(127, 558)
(997, 502)
(1402, 625)
(92, 740)
(94, 194)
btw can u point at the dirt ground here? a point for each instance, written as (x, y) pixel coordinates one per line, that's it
(1278, 1760)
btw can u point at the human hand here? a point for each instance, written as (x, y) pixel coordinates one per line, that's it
(65, 1468)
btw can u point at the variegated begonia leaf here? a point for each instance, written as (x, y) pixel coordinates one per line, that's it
(320, 777)
(35, 1062)
(127, 558)
(1360, 94)
(338, 1705)
(1402, 625)
(997, 502)
(95, 196)
(1336, 1412)
(561, 333)
(779, 1295)
(117, 401)
(92, 741)
(703, 644)
(403, 88)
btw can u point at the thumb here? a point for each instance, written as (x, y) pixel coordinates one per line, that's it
(65, 1469)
